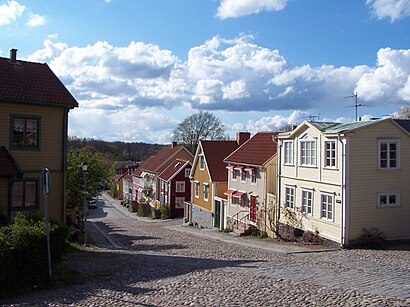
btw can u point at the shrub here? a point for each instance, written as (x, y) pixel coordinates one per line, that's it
(23, 252)
(164, 212)
(227, 230)
(140, 211)
(370, 238)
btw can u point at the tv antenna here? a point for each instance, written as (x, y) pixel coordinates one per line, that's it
(356, 105)
(313, 118)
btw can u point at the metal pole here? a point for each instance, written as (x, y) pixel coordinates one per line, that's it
(85, 208)
(45, 176)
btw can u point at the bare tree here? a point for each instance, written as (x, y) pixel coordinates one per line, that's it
(403, 112)
(199, 126)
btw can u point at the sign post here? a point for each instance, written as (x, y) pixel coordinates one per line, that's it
(45, 182)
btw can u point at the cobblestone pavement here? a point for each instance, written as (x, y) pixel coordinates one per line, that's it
(143, 262)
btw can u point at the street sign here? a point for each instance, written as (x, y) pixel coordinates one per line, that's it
(45, 180)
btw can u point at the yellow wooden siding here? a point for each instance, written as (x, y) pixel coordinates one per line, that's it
(366, 181)
(50, 137)
(271, 168)
(202, 177)
(222, 187)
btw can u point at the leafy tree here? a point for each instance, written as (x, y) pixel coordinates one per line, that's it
(200, 126)
(96, 174)
(403, 112)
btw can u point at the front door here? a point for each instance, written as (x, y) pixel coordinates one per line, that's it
(252, 213)
(217, 221)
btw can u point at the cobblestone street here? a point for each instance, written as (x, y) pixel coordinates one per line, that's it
(144, 262)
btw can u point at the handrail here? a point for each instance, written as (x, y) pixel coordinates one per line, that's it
(237, 217)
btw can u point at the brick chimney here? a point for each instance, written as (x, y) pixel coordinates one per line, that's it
(13, 55)
(242, 137)
(174, 144)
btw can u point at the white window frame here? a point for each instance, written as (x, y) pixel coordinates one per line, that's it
(201, 162)
(243, 173)
(331, 160)
(290, 192)
(196, 189)
(325, 212)
(254, 176)
(388, 204)
(236, 174)
(308, 155)
(309, 200)
(187, 172)
(288, 152)
(180, 186)
(389, 160)
(179, 202)
(206, 191)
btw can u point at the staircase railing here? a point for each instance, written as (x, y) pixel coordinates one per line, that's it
(239, 220)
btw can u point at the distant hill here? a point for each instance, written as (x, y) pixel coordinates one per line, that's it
(117, 151)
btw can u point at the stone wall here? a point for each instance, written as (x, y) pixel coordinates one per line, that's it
(201, 217)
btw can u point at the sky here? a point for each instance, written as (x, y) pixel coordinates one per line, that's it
(139, 67)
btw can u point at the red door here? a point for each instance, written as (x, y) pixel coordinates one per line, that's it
(252, 214)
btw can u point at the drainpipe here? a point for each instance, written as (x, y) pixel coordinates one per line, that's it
(344, 215)
(278, 183)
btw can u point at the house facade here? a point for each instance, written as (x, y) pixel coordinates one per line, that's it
(175, 187)
(34, 107)
(251, 176)
(209, 182)
(341, 178)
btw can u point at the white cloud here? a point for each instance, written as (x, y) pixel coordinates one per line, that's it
(36, 20)
(10, 11)
(393, 9)
(276, 122)
(236, 8)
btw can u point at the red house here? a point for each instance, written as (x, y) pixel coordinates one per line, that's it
(175, 186)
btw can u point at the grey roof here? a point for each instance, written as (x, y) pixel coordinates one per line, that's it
(404, 123)
(344, 127)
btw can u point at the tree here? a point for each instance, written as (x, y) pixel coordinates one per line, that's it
(96, 174)
(200, 126)
(403, 112)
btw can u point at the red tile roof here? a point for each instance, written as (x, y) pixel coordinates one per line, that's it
(138, 170)
(154, 164)
(33, 83)
(173, 169)
(8, 166)
(256, 151)
(215, 153)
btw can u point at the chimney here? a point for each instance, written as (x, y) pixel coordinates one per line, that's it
(174, 144)
(293, 127)
(242, 137)
(13, 55)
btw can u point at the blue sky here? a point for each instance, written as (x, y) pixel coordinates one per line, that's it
(138, 68)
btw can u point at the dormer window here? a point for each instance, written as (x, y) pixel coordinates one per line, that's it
(201, 162)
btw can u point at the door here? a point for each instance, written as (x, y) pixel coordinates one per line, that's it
(252, 213)
(217, 221)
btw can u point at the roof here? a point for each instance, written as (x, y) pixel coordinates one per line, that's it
(174, 169)
(138, 171)
(32, 83)
(8, 166)
(155, 163)
(404, 123)
(127, 177)
(256, 151)
(215, 152)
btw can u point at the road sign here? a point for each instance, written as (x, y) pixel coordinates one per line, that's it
(45, 180)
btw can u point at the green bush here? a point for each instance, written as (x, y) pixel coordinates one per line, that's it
(140, 211)
(164, 212)
(23, 252)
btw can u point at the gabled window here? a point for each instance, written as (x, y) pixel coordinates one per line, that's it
(330, 154)
(288, 152)
(327, 207)
(24, 131)
(201, 162)
(290, 197)
(180, 186)
(24, 194)
(388, 199)
(187, 172)
(389, 154)
(308, 153)
(307, 202)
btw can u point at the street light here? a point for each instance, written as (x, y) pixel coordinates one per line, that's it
(84, 167)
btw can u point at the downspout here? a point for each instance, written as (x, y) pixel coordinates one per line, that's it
(278, 184)
(64, 165)
(343, 196)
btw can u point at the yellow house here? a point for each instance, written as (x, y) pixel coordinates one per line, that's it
(341, 178)
(34, 108)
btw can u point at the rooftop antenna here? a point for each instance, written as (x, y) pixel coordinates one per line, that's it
(312, 118)
(356, 105)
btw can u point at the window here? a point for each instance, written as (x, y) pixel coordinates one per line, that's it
(327, 206)
(254, 174)
(330, 154)
(243, 175)
(389, 154)
(180, 186)
(206, 192)
(290, 197)
(237, 200)
(187, 172)
(179, 202)
(24, 132)
(24, 194)
(389, 199)
(307, 202)
(308, 153)
(288, 152)
(201, 162)
(235, 174)
(196, 186)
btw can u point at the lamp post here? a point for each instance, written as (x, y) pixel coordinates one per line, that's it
(84, 167)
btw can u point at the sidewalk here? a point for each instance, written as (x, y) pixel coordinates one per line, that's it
(267, 244)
